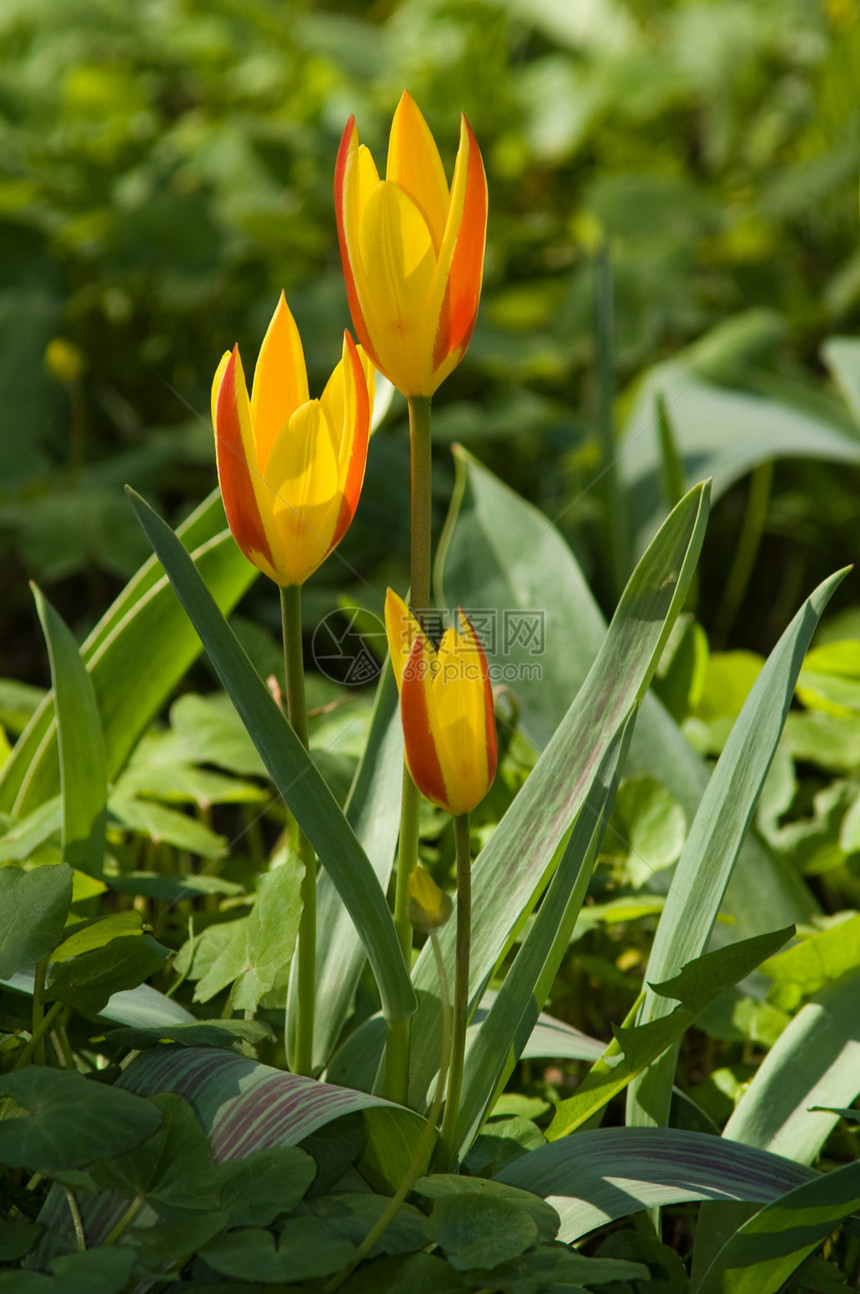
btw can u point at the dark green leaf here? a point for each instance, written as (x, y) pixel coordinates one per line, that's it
(87, 982)
(173, 1170)
(354, 1215)
(306, 1248)
(17, 1238)
(204, 1033)
(480, 1230)
(449, 1185)
(71, 1121)
(96, 1271)
(406, 1274)
(264, 1184)
(33, 908)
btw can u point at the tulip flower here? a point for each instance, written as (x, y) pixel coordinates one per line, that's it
(290, 468)
(413, 251)
(446, 706)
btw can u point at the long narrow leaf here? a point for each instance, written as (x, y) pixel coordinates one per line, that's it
(812, 1069)
(595, 1177)
(83, 780)
(510, 868)
(762, 1255)
(715, 838)
(144, 637)
(291, 769)
(699, 984)
(495, 553)
(373, 811)
(500, 1039)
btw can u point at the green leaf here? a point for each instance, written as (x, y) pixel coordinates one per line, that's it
(17, 1238)
(203, 1033)
(508, 872)
(650, 825)
(261, 1186)
(33, 909)
(373, 811)
(500, 1039)
(23, 838)
(700, 982)
(817, 960)
(494, 557)
(830, 678)
(162, 825)
(480, 1231)
(88, 981)
(453, 1187)
(292, 772)
(713, 845)
(842, 357)
(596, 1177)
(354, 1215)
(554, 1267)
(262, 944)
(97, 1271)
(173, 1171)
(144, 636)
(762, 1255)
(84, 936)
(212, 732)
(406, 1274)
(812, 1069)
(83, 779)
(71, 1121)
(718, 433)
(306, 1249)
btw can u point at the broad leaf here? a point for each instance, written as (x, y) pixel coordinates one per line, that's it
(33, 909)
(70, 1121)
(761, 1256)
(592, 1178)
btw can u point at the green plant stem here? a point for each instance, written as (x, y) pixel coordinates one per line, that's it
(746, 551)
(80, 1238)
(616, 513)
(397, 1038)
(126, 1220)
(418, 1160)
(446, 1151)
(301, 1061)
(37, 1037)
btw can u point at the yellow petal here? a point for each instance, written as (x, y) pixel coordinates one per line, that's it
(415, 166)
(402, 629)
(216, 384)
(302, 477)
(280, 380)
(399, 262)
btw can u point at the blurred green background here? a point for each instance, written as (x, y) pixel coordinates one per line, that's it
(166, 168)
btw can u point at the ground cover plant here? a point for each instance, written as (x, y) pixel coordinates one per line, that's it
(469, 937)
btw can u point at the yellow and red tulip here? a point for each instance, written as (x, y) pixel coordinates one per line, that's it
(290, 468)
(446, 705)
(413, 251)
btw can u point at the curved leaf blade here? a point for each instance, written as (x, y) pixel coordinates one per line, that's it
(292, 771)
(595, 1177)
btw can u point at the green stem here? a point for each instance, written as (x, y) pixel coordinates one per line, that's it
(616, 513)
(447, 1152)
(420, 565)
(80, 1238)
(301, 1061)
(37, 1037)
(746, 550)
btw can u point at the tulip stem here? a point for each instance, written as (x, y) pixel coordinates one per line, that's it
(301, 1060)
(397, 1046)
(447, 1150)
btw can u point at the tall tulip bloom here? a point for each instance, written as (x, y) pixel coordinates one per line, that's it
(446, 706)
(413, 251)
(290, 468)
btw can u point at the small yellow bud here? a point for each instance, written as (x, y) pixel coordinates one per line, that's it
(64, 360)
(429, 907)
